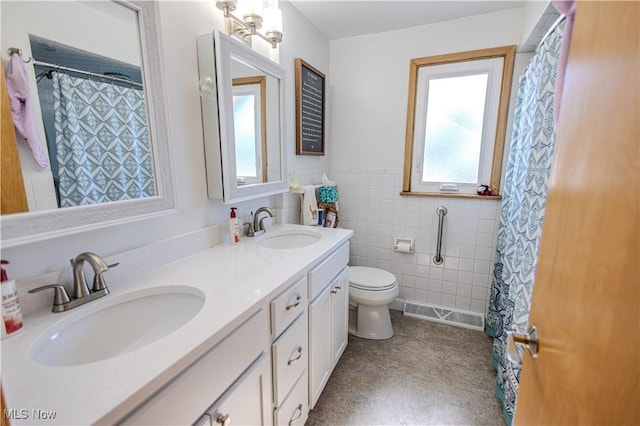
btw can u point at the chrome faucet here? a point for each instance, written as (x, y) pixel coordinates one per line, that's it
(80, 288)
(81, 293)
(258, 226)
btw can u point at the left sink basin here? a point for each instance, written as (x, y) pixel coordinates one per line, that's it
(122, 324)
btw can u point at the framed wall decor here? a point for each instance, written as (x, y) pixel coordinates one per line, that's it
(310, 98)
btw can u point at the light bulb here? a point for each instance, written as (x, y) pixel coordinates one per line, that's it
(251, 7)
(272, 20)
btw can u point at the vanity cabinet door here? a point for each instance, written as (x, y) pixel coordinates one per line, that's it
(328, 332)
(319, 344)
(248, 400)
(339, 315)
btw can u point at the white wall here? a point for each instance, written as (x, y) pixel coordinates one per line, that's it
(180, 23)
(369, 84)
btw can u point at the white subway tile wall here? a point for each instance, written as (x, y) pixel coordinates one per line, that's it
(371, 205)
(40, 191)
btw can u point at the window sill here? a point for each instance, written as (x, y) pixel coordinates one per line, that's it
(451, 195)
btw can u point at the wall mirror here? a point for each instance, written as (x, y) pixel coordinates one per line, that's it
(243, 124)
(107, 50)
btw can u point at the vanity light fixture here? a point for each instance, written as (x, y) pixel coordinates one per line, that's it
(253, 18)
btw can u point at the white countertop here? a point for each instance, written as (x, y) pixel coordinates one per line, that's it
(236, 281)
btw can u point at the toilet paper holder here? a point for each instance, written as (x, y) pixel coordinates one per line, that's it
(403, 245)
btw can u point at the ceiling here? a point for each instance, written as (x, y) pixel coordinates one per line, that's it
(341, 19)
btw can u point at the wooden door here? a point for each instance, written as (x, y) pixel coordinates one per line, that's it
(13, 198)
(586, 297)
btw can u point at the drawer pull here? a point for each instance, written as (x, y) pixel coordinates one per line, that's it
(223, 419)
(296, 417)
(335, 289)
(298, 356)
(298, 299)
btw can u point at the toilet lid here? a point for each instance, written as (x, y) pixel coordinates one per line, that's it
(366, 278)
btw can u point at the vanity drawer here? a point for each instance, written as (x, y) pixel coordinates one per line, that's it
(295, 409)
(184, 399)
(322, 274)
(286, 307)
(290, 357)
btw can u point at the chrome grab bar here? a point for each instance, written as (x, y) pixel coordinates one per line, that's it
(438, 259)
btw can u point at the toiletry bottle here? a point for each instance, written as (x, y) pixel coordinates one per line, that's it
(11, 314)
(234, 228)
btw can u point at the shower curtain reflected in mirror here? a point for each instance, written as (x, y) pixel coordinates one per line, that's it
(522, 212)
(102, 142)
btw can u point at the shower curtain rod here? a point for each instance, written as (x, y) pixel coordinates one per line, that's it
(108, 77)
(551, 28)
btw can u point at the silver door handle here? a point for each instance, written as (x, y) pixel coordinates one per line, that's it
(293, 305)
(529, 340)
(296, 417)
(297, 357)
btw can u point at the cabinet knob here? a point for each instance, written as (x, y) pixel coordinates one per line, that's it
(223, 419)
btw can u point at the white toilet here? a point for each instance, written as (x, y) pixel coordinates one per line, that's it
(370, 292)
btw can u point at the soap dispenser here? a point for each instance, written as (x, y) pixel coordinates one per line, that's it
(234, 228)
(11, 313)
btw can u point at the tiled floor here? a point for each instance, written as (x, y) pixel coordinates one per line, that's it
(426, 374)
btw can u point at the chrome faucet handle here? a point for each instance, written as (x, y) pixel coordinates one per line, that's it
(60, 296)
(98, 279)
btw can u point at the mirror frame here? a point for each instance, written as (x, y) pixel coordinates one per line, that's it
(28, 227)
(226, 49)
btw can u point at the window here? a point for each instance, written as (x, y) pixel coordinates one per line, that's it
(456, 121)
(250, 129)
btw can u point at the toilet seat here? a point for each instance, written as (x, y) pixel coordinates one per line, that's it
(370, 279)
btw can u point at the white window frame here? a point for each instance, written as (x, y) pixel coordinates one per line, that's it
(498, 64)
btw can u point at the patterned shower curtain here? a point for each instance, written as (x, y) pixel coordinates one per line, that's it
(522, 213)
(102, 139)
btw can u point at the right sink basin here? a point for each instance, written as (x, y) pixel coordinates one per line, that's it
(289, 238)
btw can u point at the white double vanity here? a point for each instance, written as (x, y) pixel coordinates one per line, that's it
(245, 334)
(271, 327)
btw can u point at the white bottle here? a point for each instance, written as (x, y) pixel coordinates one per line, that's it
(11, 314)
(234, 228)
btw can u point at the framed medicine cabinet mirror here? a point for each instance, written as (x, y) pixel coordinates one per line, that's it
(98, 104)
(242, 95)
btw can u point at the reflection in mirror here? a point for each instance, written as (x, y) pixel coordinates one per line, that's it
(92, 104)
(244, 150)
(95, 121)
(97, 95)
(250, 128)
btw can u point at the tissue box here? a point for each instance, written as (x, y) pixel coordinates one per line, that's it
(328, 194)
